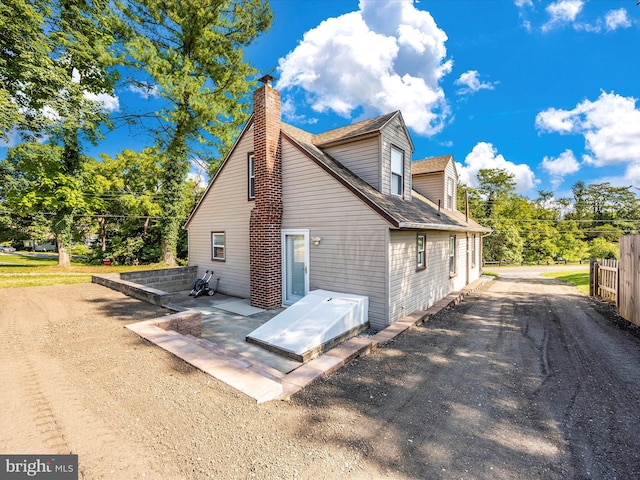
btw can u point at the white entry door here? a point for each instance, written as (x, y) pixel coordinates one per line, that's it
(295, 265)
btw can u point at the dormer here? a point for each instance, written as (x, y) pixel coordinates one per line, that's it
(437, 179)
(378, 150)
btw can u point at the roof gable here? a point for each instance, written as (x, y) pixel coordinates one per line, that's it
(358, 131)
(247, 126)
(420, 212)
(432, 165)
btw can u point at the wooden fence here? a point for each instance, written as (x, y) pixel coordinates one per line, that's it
(618, 281)
(603, 280)
(629, 301)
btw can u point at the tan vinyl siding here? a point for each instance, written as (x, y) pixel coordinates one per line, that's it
(392, 136)
(226, 209)
(434, 185)
(450, 172)
(412, 289)
(362, 158)
(352, 255)
(431, 186)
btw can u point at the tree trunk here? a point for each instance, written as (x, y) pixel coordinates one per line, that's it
(167, 254)
(62, 227)
(174, 174)
(63, 254)
(103, 233)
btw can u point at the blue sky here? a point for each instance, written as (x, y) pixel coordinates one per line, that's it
(544, 89)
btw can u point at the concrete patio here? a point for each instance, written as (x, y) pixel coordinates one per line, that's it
(223, 322)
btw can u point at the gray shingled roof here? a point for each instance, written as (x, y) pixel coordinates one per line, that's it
(417, 213)
(430, 165)
(355, 130)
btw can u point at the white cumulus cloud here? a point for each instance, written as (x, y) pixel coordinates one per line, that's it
(610, 126)
(109, 102)
(470, 83)
(615, 19)
(485, 156)
(565, 164)
(386, 56)
(145, 90)
(562, 12)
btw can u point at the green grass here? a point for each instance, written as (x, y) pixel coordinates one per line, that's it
(578, 278)
(20, 270)
(29, 280)
(19, 260)
(490, 274)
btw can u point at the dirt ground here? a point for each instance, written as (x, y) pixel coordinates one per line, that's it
(525, 379)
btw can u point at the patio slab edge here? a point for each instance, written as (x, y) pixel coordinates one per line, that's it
(264, 384)
(361, 346)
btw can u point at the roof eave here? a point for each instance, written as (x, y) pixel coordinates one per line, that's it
(443, 227)
(354, 138)
(224, 162)
(380, 211)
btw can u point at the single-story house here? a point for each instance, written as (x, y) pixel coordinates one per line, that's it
(345, 210)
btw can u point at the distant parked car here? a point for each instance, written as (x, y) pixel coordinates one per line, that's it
(7, 249)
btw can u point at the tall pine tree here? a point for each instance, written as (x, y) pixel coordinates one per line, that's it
(190, 53)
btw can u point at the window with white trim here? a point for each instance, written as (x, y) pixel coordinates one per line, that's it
(473, 251)
(217, 246)
(397, 171)
(421, 241)
(252, 176)
(449, 194)
(452, 255)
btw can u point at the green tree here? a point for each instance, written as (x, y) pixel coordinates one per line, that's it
(540, 242)
(129, 187)
(77, 52)
(601, 248)
(504, 244)
(495, 186)
(192, 54)
(570, 242)
(26, 80)
(35, 182)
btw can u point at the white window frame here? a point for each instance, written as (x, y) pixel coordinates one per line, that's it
(284, 234)
(453, 263)
(473, 251)
(397, 174)
(215, 246)
(421, 257)
(449, 194)
(251, 166)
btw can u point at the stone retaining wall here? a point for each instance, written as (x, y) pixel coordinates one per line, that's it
(152, 286)
(166, 279)
(185, 323)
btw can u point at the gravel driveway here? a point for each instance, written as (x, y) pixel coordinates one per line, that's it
(525, 379)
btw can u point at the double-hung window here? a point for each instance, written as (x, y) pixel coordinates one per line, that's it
(452, 255)
(421, 241)
(252, 176)
(473, 251)
(449, 197)
(397, 171)
(217, 246)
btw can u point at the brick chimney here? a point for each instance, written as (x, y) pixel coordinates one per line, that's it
(265, 247)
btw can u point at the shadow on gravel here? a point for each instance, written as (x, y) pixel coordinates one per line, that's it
(128, 309)
(443, 401)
